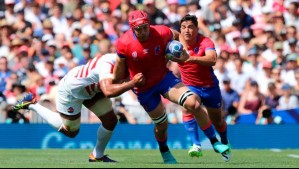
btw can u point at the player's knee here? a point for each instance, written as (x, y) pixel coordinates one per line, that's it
(193, 104)
(218, 123)
(189, 101)
(73, 134)
(113, 122)
(161, 128)
(70, 127)
(67, 132)
(109, 120)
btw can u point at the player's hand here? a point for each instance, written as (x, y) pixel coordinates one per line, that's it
(138, 80)
(191, 59)
(184, 56)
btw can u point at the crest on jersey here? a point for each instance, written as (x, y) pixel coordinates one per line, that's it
(157, 50)
(196, 50)
(70, 110)
(145, 51)
(134, 55)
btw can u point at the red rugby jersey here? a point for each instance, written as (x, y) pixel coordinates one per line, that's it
(146, 57)
(195, 74)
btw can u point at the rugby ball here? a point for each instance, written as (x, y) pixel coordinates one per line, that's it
(174, 48)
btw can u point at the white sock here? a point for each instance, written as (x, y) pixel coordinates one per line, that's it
(104, 136)
(51, 117)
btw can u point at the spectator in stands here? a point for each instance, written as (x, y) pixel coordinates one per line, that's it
(278, 21)
(5, 73)
(251, 100)
(238, 77)
(129, 99)
(86, 55)
(9, 11)
(288, 100)
(291, 14)
(253, 67)
(245, 19)
(288, 73)
(34, 16)
(194, 8)
(274, 48)
(14, 116)
(276, 74)
(174, 113)
(227, 18)
(271, 102)
(265, 117)
(220, 70)
(296, 87)
(279, 59)
(231, 101)
(171, 11)
(21, 23)
(124, 6)
(209, 16)
(291, 31)
(292, 43)
(2, 100)
(24, 63)
(59, 20)
(11, 80)
(155, 15)
(265, 78)
(16, 93)
(122, 113)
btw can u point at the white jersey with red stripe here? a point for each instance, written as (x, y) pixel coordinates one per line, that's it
(84, 81)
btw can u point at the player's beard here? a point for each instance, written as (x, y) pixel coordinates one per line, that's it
(143, 37)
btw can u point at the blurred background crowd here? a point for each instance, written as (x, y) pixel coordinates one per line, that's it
(257, 42)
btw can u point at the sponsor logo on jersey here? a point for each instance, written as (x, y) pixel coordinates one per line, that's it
(70, 110)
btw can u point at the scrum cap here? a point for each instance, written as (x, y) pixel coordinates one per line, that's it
(137, 18)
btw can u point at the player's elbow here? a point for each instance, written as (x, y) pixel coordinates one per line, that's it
(213, 61)
(110, 94)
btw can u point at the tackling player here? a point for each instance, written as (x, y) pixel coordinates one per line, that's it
(142, 50)
(197, 73)
(85, 85)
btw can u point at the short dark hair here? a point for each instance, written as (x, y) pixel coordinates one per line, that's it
(191, 18)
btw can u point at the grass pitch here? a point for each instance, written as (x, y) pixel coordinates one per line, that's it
(59, 158)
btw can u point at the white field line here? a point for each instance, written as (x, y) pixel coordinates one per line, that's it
(276, 150)
(293, 155)
(279, 150)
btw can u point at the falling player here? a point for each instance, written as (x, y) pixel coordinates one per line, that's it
(87, 85)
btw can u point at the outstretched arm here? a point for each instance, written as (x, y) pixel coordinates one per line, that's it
(112, 90)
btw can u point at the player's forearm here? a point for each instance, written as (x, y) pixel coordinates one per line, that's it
(118, 89)
(204, 60)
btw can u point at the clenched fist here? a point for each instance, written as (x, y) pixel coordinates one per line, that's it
(138, 80)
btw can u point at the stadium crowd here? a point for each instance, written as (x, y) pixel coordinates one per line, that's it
(257, 42)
